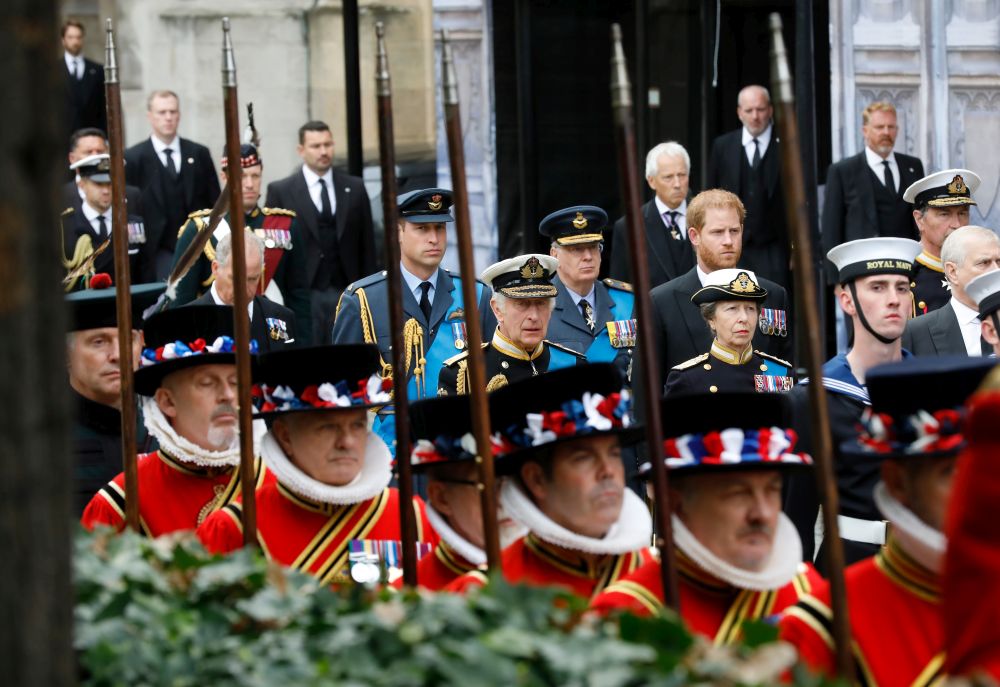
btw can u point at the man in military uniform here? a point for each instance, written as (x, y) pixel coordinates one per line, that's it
(283, 278)
(331, 490)
(591, 316)
(85, 231)
(559, 438)
(523, 300)
(874, 292)
(940, 206)
(739, 557)
(188, 378)
(984, 290)
(95, 383)
(915, 429)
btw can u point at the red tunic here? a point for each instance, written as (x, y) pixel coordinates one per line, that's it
(534, 562)
(173, 495)
(895, 613)
(439, 568)
(709, 606)
(310, 536)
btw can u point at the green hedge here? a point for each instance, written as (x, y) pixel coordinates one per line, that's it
(163, 612)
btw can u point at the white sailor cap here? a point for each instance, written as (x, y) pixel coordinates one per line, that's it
(882, 255)
(943, 189)
(95, 167)
(523, 276)
(985, 291)
(730, 285)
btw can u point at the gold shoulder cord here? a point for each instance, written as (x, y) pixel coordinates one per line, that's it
(81, 251)
(368, 329)
(413, 343)
(460, 379)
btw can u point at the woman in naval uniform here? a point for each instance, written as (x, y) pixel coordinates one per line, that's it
(730, 302)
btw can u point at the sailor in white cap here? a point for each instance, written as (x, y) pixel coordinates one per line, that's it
(985, 291)
(523, 299)
(941, 204)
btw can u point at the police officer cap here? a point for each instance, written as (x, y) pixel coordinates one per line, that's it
(730, 284)
(441, 428)
(425, 206)
(881, 255)
(524, 276)
(97, 308)
(578, 224)
(249, 157)
(985, 291)
(943, 189)
(94, 167)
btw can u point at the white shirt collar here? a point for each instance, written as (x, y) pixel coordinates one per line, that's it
(413, 282)
(91, 214)
(702, 274)
(218, 301)
(311, 178)
(681, 209)
(763, 139)
(874, 161)
(71, 61)
(969, 325)
(159, 146)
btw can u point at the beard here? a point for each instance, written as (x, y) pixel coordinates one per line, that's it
(222, 437)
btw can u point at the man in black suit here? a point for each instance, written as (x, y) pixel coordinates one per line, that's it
(334, 208)
(272, 326)
(715, 229)
(955, 328)
(176, 177)
(668, 251)
(864, 192)
(747, 162)
(84, 82)
(84, 143)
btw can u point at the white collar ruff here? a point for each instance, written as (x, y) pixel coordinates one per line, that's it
(459, 544)
(376, 472)
(921, 541)
(633, 531)
(781, 567)
(183, 449)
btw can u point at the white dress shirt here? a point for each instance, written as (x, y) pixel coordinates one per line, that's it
(702, 274)
(175, 151)
(969, 325)
(680, 217)
(413, 283)
(218, 301)
(74, 64)
(763, 141)
(315, 190)
(875, 163)
(92, 216)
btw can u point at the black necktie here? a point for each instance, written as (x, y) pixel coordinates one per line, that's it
(171, 167)
(102, 228)
(425, 301)
(672, 226)
(756, 155)
(588, 313)
(890, 181)
(326, 210)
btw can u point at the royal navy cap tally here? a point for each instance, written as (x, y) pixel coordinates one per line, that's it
(97, 308)
(249, 157)
(985, 291)
(94, 167)
(578, 224)
(729, 284)
(426, 206)
(441, 429)
(524, 276)
(943, 189)
(881, 255)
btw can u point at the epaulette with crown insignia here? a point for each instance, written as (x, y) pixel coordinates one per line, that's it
(616, 284)
(691, 363)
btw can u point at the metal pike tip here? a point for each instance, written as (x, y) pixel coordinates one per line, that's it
(621, 88)
(110, 60)
(781, 75)
(228, 58)
(448, 71)
(382, 83)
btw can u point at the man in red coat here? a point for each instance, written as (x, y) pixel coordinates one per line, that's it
(559, 439)
(915, 428)
(331, 472)
(187, 375)
(739, 558)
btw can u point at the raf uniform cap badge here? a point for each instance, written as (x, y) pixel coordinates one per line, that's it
(580, 222)
(435, 202)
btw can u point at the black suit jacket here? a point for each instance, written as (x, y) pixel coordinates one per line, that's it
(85, 97)
(849, 207)
(71, 198)
(682, 333)
(936, 333)
(355, 234)
(667, 257)
(143, 168)
(264, 309)
(75, 226)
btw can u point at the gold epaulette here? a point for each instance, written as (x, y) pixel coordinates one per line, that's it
(775, 358)
(278, 211)
(200, 213)
(616, 284)
(565, 349)
(691, 363)
(68, 211)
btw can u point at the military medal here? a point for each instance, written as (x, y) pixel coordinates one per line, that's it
(622, 333)
(136, 232)
(460, 335)
(772, 383)
(277, 329)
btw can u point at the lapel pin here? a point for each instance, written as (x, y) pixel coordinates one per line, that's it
(190, 160)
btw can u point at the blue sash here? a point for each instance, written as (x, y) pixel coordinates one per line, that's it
(603, 349)
(559, 359)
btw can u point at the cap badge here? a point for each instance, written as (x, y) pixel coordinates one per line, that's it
(742, 284)
(104, 165)
(580, 222)
(532, 269)
(435, 202)
(957, 185)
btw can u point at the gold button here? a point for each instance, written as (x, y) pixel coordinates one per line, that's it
(921, 304)
(763, 368)
(913, 284)
(707, 366)
(713, 388)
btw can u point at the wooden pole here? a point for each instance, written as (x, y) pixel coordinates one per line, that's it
(123, 295)
(479, 406)
(805, 290)
(241, 322)
(401, 403)
(628, 165)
